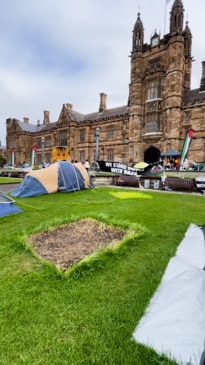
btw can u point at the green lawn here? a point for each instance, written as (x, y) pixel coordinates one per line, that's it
(9, 180)
(88, 316)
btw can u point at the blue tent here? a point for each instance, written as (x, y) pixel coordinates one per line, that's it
(171, 153)
(61, 176)
(7, 205)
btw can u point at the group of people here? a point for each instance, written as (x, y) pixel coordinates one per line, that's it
(172, 163)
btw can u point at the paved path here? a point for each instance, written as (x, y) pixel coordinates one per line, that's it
(7, 188)
(155, 190)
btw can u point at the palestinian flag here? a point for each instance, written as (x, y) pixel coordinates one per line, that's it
(186, 144)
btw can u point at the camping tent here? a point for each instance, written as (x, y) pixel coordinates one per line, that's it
(61, 176)
(7, 205)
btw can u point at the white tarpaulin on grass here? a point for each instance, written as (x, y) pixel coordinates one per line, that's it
(174, 322)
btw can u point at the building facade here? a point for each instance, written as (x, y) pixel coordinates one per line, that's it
(161, 108)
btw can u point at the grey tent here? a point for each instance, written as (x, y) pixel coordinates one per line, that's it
(7, 205)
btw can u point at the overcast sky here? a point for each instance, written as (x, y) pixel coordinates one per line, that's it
(69, 51)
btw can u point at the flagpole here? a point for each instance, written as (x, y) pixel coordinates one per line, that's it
(165, 12)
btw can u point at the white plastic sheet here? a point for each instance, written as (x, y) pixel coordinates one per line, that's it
(174, 322)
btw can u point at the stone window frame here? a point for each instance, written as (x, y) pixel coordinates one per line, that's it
(82, 135)
(110, 133)
(123, 157)
(13, 143)
(82, 156)
(187, 117)
(110, 154)
(38, 142)
(48, 141)
(131, 151)
(155, 63)
(124, 138)
(154, 89)
(63, 137)
(153, 123)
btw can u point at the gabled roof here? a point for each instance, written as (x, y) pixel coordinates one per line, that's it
(31, 128)
(106, 114)
(77, 117)
(193, 97)
(48, 126)
(27, 127)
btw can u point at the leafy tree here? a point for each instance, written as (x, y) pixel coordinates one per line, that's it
(2, 160)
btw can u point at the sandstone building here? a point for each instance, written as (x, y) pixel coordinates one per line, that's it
(161, 108)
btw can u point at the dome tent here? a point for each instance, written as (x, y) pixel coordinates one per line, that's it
(7, 205)
(61, 176)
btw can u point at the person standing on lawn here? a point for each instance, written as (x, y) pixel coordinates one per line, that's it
(87, 165)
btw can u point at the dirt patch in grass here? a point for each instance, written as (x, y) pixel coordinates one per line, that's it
(69, 244)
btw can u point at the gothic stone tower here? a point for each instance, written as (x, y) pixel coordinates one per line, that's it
(160, 73)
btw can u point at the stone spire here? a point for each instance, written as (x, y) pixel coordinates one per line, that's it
(177, 17)
(187, 41)
(138, 35)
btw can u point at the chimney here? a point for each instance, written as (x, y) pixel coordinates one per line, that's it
(46, 119)
(202, 85)
(26, 120)
(103, 98)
